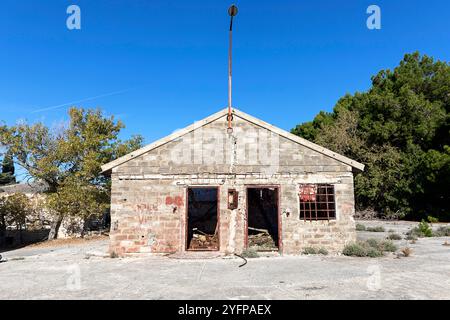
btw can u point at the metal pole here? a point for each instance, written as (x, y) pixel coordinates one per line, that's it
(232, 11)
(230, 73)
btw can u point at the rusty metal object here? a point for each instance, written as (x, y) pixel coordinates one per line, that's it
(317, 202)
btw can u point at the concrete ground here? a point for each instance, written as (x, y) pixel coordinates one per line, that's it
(83, 271)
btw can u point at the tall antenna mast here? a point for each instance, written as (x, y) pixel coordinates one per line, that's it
(232, 11)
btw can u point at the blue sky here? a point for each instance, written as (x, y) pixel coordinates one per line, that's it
(161, 65)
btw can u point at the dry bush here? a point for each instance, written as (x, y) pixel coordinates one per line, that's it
(406, 251)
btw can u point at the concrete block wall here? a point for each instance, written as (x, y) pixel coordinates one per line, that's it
(148, 203)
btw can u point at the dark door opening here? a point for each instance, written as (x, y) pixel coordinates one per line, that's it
(202, 219)
(262, 219)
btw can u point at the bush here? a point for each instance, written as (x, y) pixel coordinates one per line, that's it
(250, 253)
(374, 253)
(406, 251)
(442, 232)
(422, 230)
(313, 250)
(432, 219)
(372, 243)
(394, 236)
(388, 245)
(370, 248)
(360, 227)
(375, 229)
(412, 237)
(425, 229)
(355, 250)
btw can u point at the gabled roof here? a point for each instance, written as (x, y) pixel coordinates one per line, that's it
(241, 115)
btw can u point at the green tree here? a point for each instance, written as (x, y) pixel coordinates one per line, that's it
(68, 160)
(14, 210)
(7, 174)
(400, 129)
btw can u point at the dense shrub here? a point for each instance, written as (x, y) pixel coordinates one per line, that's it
(422, 230)
(410, 236)
(356, 249)
(442, 232)
(432, 219)
(314, 250)
(250, 253)
(399, 129)
(388, 246)
(375, 229)
(370, 248)
(394, 236)
(360, 227)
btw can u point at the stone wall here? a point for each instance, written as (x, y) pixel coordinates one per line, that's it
(148, 204)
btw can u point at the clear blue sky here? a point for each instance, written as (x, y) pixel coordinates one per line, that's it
(166, 61)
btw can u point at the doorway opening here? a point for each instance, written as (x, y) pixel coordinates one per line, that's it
(202, 219)
(262, 219)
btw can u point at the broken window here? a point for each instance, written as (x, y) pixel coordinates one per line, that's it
(202, 226)
(317, 202)
(262, 218)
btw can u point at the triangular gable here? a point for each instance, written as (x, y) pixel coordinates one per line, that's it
(244, 116)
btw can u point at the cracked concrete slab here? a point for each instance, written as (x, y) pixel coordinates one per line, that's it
(70, 272)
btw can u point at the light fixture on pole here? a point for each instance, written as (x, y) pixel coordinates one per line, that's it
(232, 11)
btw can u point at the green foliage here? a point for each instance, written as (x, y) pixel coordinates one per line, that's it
(7, 174)
(394, 236)
(314, 250)
(432, 219)
(361, 249)
(399, 129)
(425, 229)
(422, 230)
(442, 232)
(355, 250)
(250, 253)
(370, 248)
(375, 229)
(411, 236)
(360, 227)
(14, 210)
(69, 159)
(387, 245)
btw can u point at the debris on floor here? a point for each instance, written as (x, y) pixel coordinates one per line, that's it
(262, 240)
(204, 241)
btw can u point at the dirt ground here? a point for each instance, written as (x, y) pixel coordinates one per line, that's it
(83, 270)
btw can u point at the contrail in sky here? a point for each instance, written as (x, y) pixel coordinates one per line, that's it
(82, 100)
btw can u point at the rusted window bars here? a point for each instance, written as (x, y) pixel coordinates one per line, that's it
(317, 202)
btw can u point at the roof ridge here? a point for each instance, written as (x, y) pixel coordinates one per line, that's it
(243, 115)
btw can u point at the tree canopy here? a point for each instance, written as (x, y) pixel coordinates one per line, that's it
(399, 128)
(69, 158)
(8, 170)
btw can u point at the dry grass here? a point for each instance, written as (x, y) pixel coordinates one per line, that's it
(406, 251)
(67, 241)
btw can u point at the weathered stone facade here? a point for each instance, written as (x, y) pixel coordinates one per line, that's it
(149, 188)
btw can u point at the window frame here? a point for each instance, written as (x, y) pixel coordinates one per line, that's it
(314, 206)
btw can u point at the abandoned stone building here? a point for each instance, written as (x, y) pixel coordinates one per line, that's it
(207, 187)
